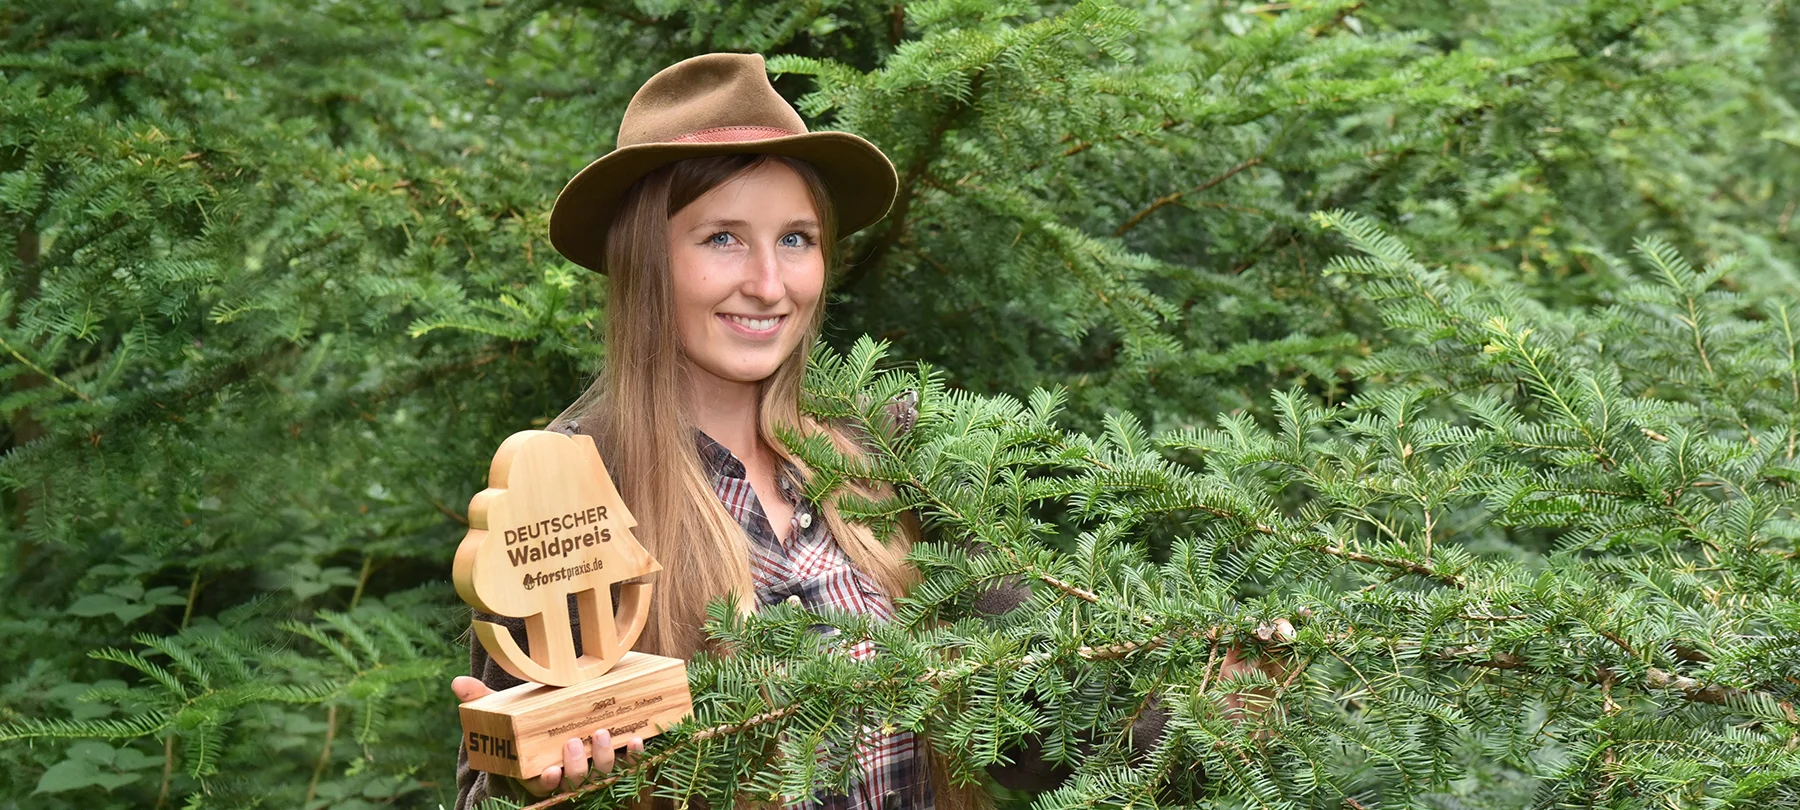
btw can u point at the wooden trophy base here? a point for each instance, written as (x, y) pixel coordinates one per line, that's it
(520, 732)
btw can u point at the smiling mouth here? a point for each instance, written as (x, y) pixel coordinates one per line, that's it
(757, 325)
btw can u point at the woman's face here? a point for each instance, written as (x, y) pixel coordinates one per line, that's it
(747, 271)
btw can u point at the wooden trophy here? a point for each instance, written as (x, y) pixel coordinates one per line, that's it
(551, 524)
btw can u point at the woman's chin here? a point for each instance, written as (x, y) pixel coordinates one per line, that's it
(742, 372)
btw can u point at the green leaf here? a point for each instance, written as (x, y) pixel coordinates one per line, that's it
(70, 774)
(99, 604)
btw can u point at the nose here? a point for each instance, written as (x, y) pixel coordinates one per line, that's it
(762, 276)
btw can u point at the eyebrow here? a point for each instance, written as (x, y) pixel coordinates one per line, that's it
(738, 223)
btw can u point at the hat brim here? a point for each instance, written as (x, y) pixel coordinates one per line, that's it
(860, 179)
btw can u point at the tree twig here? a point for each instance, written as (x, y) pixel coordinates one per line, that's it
(652, 761)
(1175, 196)
(42, 372)
(1408, 566)
(331, 726)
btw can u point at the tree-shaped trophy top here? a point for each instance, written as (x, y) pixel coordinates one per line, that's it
(551, 524)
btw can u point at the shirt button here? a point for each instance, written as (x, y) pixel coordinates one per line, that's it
(805, 520)
(794, 600)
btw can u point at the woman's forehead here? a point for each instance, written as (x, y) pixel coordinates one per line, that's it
(769, 195)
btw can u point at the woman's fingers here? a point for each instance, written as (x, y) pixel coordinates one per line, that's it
(467, 688)
(565, 777)
(1238, 662)
(603, 751)
(606, 757)
(545, 783)
(1234, 662)
(575, 764)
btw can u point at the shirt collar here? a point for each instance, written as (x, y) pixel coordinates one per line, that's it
(719, 462)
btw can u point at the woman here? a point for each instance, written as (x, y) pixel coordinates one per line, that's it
(716, 221)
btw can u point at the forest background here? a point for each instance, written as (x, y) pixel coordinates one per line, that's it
(274, 284)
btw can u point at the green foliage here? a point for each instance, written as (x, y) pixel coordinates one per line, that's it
(226, 703)
(1648, 660)
(273, 285)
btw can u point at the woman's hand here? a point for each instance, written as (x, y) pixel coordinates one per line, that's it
(1255, 701)
(575, 759)
(1239, 661)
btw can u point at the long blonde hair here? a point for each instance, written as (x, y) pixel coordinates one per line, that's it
(638, 411)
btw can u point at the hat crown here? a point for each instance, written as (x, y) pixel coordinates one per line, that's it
(706, 92)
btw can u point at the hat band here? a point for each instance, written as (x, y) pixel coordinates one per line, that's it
(738, 133)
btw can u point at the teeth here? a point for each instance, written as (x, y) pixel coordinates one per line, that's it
(756, 324)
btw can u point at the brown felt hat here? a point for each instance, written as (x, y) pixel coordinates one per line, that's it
(715, 104)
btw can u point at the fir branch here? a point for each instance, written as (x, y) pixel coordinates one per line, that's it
(645, 764)
(1653, 679)
(1408, 566)
(872, 256)
(41, 372)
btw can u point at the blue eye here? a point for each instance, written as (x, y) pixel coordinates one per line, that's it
(805, 239)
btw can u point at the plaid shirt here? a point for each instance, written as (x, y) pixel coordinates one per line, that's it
(806, 567)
